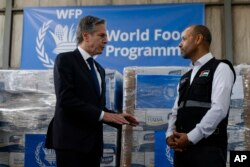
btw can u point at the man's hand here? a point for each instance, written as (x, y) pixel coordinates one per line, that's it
(120, 119)
(131, 119)
(181, 140)
(178, 141)
(172, 143)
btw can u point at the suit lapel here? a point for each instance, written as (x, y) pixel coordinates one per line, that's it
(86, 70)
(82, 64)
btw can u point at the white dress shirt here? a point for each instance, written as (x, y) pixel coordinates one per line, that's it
(85, 56)
(220, 100)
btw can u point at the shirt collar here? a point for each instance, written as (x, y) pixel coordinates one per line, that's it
(203, 60)
(84, 54)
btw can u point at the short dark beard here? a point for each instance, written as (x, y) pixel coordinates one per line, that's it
(185, 56)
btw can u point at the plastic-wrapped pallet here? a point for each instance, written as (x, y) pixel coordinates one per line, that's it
(27, 103)
(245, 72)
(239, 116)
(238, 120)
(148, 93)
(26, 100)
(111, 136)
(235, 130)
(114, 81)
(141, 144)
(39, 81)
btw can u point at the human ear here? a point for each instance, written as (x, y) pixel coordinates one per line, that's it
(85, 36)
(199, 39)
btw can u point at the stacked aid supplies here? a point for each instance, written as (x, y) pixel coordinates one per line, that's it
(27, 103)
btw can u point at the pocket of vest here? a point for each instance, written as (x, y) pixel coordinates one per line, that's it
(202, 88)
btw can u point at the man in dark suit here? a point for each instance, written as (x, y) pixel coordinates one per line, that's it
(76, 129)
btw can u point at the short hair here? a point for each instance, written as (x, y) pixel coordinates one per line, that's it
(87, 24)
(204, 31)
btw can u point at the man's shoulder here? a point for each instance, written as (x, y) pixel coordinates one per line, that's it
(65, 54)
(187, 73)
(66, 58)
(226, 64)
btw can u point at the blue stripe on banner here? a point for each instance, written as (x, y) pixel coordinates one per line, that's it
(163, 154)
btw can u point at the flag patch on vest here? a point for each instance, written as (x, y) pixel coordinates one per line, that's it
(204, 73)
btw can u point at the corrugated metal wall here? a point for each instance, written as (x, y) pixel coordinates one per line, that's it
(214, 20)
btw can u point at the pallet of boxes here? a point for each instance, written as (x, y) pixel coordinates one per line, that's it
(27, 104)
(149, 94)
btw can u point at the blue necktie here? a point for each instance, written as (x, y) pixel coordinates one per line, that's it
(93, 73)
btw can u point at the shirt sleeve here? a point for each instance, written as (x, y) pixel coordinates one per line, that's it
(221, 94)
(172, 118)
(101, 116)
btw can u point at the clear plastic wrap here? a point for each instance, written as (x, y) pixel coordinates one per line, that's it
(244, 72)
(140, 145)
(27, 105)
(148, 93)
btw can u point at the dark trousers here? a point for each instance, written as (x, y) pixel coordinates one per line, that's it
(203, 156)
(68, 158)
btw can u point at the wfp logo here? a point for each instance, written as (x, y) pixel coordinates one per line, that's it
(64, 38)
(45, 156)
(169, 155)
(169, 91)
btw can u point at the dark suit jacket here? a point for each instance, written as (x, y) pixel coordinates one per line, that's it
(76, 124)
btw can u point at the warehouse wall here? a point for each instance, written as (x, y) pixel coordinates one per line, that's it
(214, 20)
(2, 6)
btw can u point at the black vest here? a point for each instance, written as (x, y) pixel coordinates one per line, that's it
(195, 101)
